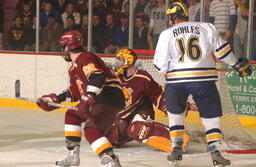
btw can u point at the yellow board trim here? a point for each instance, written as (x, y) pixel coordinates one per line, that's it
(14, 103)
(246, 121)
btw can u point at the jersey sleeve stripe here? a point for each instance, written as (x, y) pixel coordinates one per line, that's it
(225, 55)
(222, 46)
(223, 51)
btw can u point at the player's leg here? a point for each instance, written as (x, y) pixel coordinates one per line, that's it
(208, 102)
(176, 98)
(73, 137)
(117, 134)
(95, 129)
(148, 132)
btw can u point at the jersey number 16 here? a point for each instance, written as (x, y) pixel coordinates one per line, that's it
(191, 49)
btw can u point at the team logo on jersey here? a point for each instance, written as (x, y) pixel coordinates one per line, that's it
(89, 69)
(127, 95)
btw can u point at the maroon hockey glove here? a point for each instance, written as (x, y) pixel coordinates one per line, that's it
(43, 102)
(84, 106)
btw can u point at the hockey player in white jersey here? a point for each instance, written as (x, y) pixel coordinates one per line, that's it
(183, 54)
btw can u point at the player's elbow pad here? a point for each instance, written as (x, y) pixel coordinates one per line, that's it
(243, 67)
(64, 95)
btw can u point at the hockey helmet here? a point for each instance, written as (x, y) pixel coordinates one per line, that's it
(177, 10)
(125, 58)
(71, 41)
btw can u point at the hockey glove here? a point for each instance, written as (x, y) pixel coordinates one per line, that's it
(43, 102)
(84, 106)
(243, 67)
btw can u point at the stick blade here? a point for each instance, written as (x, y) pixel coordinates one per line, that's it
(17, 88)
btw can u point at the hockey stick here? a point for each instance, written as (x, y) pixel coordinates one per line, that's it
(230, 69)
(17, 96)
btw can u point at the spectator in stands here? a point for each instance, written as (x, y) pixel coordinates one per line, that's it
(81, 6)
(141, 7)
(47, 9)
(70, 11)
(71, 24)
(32, 4)
(50, 35)
(206, 12)
(60, 5)
(223, 16)
(100, 8)
(140, 34)
(115, 7)
(30, 36)
(26, 14)
(157, 23)
(16, 35)
(110, 28)
(241, 31)
(98, 34)
(120, 35)
(84, 30)
(194, 6)
(125, 7)
(1, 26)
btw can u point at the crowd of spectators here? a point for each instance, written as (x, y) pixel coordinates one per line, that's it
(110, 23)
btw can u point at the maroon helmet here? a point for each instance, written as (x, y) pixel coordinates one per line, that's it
(72, 40)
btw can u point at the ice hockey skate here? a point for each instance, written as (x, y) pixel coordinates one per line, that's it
(108, 161)
(218, 160)
(71, 160)
(175, 157)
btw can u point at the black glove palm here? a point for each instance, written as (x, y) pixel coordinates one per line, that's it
(243, 67)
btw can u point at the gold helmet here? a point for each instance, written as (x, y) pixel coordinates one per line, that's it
(125, 58)
(177, 10)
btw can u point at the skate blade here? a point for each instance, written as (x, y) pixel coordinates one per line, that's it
(174, 163)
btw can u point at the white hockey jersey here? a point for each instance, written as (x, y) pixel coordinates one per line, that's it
(184, 52)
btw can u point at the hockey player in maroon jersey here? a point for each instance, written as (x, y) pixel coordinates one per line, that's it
(100, 96)
(141, 93)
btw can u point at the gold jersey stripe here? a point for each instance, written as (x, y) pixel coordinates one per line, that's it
(191, 74)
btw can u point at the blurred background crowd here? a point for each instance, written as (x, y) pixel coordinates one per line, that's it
(110, 23)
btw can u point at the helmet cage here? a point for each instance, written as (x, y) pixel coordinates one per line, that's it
(128, 56)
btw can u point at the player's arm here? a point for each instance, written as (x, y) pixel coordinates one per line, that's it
(95, 75)
(224, 53)
(155, 94)
(162, 52)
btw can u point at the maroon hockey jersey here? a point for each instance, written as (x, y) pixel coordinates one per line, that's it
(141, 91)
(81, 80)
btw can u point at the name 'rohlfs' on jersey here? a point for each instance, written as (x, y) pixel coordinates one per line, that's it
(186, 57)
